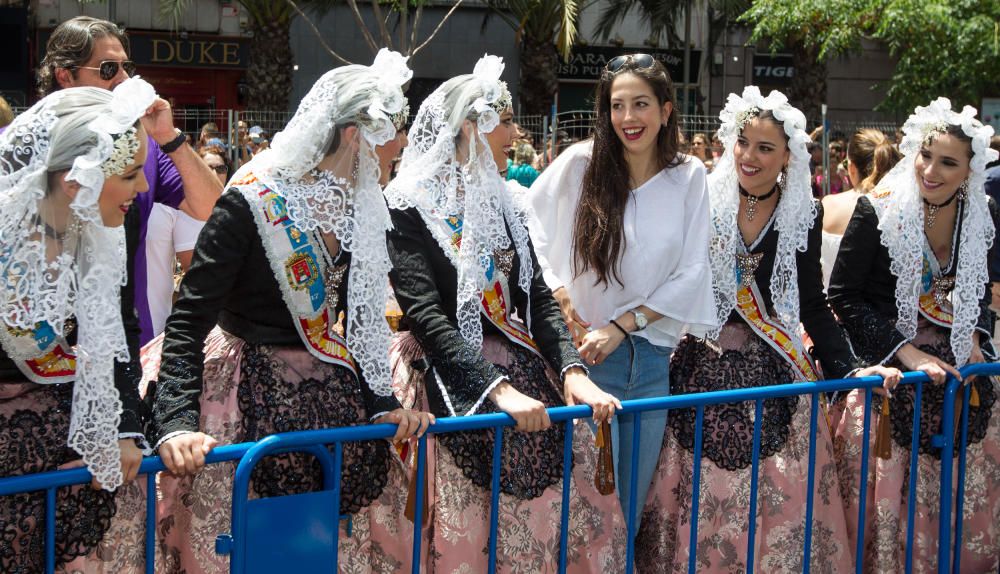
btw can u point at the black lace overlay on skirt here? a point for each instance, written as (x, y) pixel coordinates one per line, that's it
(270, 405)
(531, 462)
(932, 402)
(728, 428)
(34, 427)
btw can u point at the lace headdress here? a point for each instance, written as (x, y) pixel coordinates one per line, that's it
(898, 203)
(795, 212)
(59, 263)
(370, 97)
(433, 179)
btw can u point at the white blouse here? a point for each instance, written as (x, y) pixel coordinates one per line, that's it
(664, 265)
(828, 255)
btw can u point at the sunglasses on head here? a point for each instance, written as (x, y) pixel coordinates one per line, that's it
(639, 61)
(109, 68)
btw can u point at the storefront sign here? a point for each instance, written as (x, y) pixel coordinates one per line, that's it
(588, 62)
(202, 52)
(773, 70)
(174, 50)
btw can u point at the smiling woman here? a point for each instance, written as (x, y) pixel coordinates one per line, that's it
(621, 225)
(69, 170)
(911, 284)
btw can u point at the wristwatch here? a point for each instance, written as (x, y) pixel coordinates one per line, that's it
(174, 144)
(640, 319)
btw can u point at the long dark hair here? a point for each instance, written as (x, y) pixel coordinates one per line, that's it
(598, 235)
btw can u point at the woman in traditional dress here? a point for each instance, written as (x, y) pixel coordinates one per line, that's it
(487, 336)
(765, 251)
(620, 224)
(70, 168)
(912, 287)
(301, 229)
(870, 156)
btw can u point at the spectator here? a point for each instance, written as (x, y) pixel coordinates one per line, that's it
(208, 131)
(214, 155)
(699, 147)
(256, 140)
(521, 169)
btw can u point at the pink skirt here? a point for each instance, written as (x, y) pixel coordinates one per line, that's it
(662, 544)
(34, 426)
(457, 529)
(889, 479)
(250, 392)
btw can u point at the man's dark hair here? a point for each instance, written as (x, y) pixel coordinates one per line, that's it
(70, 45)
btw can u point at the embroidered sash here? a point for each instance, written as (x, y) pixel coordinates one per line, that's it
(308, 284)
(749, 304)
(935, 294)
(40, 354)
(494, 303)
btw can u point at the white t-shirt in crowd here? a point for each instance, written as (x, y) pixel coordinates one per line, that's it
(665, 263)
(168, 232)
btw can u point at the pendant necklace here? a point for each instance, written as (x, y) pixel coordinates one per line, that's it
(753, 200)
(933, 208)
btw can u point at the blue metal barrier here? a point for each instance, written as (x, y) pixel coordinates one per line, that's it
(249, 454)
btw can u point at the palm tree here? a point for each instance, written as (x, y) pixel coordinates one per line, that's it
(545, 30)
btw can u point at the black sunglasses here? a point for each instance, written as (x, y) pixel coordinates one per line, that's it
(639, 61)
(109, 68)
(221, 168)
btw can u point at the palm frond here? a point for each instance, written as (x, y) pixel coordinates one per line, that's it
(171, 11)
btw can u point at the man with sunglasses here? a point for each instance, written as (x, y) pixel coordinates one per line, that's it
(85, 51)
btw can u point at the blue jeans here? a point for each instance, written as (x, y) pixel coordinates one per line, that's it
(637, 369)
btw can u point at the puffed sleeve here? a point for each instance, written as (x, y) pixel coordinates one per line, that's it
(831, 346)
(218, 257)
(685, 298)
(463, 376)
(862, 267)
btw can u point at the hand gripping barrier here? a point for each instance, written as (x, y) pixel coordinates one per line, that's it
(317, 443)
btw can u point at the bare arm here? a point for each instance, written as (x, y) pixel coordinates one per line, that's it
(201, 186)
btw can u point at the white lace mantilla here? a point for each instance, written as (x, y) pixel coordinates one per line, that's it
(356, 212)
(898, 203)
(432, 180)
(49, 276)
(795, 213)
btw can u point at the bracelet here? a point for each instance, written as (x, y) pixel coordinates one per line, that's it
(620, 328)
(174, 144)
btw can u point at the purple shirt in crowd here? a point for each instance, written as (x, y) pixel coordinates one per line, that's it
(164, 187)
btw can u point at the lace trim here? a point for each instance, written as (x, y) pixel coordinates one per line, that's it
(444, 392)
(901, 218)
(489, 389)
(431, 180)
(794, 216)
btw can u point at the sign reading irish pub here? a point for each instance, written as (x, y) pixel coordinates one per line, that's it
(587, 62)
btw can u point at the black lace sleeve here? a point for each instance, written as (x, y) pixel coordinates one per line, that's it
(547, 326)
(375, 404)
(831, 346)
(862, 288)
(417, 265)
(218, 257)
(128, 374)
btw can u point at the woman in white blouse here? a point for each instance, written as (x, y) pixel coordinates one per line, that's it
(620, 225)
